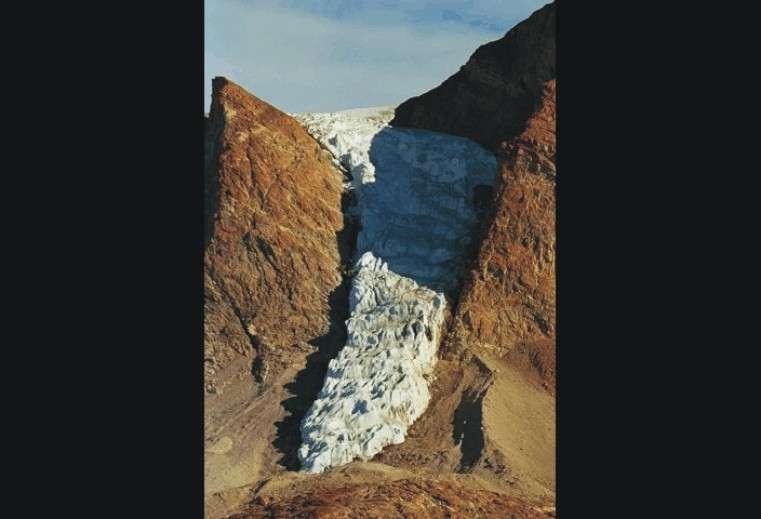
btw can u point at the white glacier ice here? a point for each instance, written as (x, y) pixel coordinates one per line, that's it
(414, 190)
(348, 135)
(414, 193)
(376, 386)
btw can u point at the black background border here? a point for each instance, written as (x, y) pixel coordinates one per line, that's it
(125, 395)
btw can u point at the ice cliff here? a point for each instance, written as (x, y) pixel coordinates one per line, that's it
(415, 193)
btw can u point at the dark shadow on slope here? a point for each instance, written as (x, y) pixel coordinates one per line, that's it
(467, 429)
(308, 382)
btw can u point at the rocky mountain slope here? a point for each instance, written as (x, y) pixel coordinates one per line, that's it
(505, 316)
(274, 296)
(294, 221)
(508, 304)
(504, 97)
(494, 93)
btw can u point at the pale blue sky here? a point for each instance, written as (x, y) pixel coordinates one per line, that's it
(324, 55)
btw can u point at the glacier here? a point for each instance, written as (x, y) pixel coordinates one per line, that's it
(415, 193)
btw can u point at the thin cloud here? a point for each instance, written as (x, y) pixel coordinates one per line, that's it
(302, 56)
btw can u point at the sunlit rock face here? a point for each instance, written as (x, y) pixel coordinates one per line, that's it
(415, 194)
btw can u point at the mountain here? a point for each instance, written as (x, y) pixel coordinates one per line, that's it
(273, 290)
(495, 92)
(380, 298)
(508, 303)
(504, 98)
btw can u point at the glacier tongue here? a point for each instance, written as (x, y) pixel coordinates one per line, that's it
(415, 194)
(376, 386)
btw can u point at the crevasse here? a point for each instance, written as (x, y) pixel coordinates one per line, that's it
(415, 202)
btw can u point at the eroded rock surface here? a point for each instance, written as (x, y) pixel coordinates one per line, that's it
(503, 330)
(272, 282)
(273, 258)
(495, 92)
(508, 303)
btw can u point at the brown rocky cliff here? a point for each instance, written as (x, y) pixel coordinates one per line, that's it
(495, 92)
(508, 303)
(492, 411)
(272, 260)
(504, 98)
(272, 280)
(496, 379)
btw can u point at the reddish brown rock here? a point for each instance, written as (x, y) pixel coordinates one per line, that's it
(495, 92)
(504, 98)
(492, 411)
(508, 302)
(503, 328)
(272, 282)
(273, 257)
(356, 492)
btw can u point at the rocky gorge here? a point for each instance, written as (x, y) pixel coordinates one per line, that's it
(380, 297)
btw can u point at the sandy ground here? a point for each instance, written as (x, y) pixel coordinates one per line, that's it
(488, 432)
(519, 420)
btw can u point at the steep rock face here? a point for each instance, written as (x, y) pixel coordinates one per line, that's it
(496, 377)
(492, 407)
(272, 280)
(504, 98)
(273, 258)
(508, 303)
(495, 92)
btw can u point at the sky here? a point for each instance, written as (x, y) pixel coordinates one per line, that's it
(327, 55)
